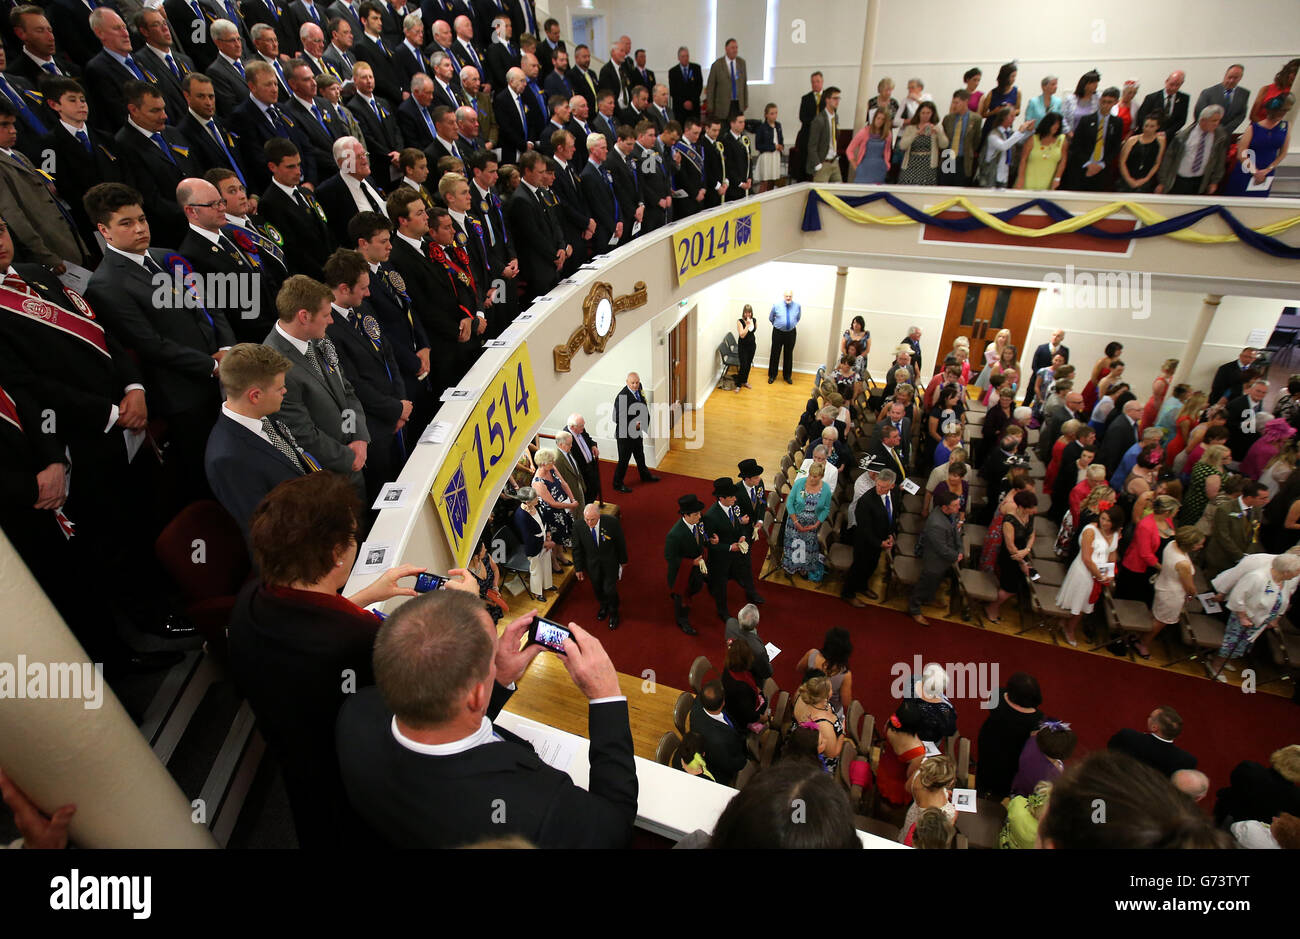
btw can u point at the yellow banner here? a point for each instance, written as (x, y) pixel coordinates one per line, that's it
(467, 486)
(714, 242)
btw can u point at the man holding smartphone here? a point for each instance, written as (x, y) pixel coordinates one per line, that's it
(423, 764)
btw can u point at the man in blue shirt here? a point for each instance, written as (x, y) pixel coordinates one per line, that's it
(784, 318)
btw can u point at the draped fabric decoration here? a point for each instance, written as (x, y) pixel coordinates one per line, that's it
(1153, 224)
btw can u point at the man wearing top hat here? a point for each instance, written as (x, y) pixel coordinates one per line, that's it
(684, 552)
(728, 546)
(751, 497)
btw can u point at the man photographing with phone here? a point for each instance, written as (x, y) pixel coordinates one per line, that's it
(423, 764)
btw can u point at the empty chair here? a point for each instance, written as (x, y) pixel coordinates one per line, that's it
(699, 668)
(730, 360)
(1203, 633)
(982, 826)
(914, 501)
(977, 589)
(1051, 573)
(800, 436)
(746, 774)
(853, 720)
(770, 691)
(963, 763)
(667, 748)
(906, 544)
(904, 570)
(1046, 614)
(1131, 617)
(910, 523)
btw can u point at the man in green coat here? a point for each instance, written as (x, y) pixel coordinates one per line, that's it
(684, 552)
(728, 546)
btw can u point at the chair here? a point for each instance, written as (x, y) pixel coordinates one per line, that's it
(666, 749)
(914, 501)
(729, 359)
(746, 774)
(781, 712)
(853, 718)
(1044, 527)
(903, 570)
(1200, 631)
(800, 436)
(910, 523)
(699, 668)
(848, 753)
(770, 691)
(1047, 615)
(682, 710)
(906, 545)
(979, 586)
(1128, 616)
(1284, 648)
(1051, 573)
(786, 462)
(963, 763)
(208, 589)
(516, 559)
(982, 826)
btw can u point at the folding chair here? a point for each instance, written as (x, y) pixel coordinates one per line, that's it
(699, 668)
(848, 753)
(906, 544)
(746, 774)
(1046, 614)
(667, 748)
(1051, 573)
(963, 763)
(1131, 617)
(1204, 633)
(800, 436)
(730, 360)
(904, 570)
(983, 826)
(682, 710)
(910, 523)
(853, 719)
(770, 691)
(980, 587)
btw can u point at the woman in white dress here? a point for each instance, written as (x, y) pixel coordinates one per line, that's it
(1098, 545)
(1174, 583)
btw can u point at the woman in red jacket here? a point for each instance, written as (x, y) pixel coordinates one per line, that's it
(1142, 558)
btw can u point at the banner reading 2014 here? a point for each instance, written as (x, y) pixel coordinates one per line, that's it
(476, 465)
(719, 239)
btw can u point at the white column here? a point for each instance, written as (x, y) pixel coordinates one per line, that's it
(1201, 326)
(865, 88)
(59, 751)
(837, 317)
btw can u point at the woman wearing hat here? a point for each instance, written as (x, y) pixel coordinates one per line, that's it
(1270, 443)
(684, 552)
(537, 543)
(808, 506)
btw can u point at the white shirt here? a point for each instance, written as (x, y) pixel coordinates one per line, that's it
(290, 191)
(448, 145)
(75, 130)
(356, 187)
(299, 344)
(253, 424)
(998, 145)
(1195, 140)
(147, 133)
(484, 735)
(410, 241)
(137, 258)
(212, 236)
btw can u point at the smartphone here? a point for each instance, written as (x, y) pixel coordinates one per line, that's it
(548, 634)
(426, 582)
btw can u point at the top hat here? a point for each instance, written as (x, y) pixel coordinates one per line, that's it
(750, 468)
(724, 486)
(688, 504)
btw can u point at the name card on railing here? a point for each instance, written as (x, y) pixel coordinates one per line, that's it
(719, 239)
(474, 470)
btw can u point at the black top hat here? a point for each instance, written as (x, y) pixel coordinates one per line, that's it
(724, 486)
(750, 468)
(688, 504)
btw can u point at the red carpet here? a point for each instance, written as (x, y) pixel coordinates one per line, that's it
(1096, 694)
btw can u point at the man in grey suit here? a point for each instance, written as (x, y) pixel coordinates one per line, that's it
(940, 549)
(743, 627)
(570, 469)
(727, 90)
(321, 407)
(823, 162)
(1230, 96)
(1194, 162)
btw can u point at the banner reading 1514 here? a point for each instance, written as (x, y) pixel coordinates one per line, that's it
(717, 240)
(475, 467)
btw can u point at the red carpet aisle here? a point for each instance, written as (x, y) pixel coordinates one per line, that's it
(1096, 695)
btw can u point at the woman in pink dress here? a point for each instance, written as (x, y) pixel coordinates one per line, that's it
(1099, 371)
(1159, 388)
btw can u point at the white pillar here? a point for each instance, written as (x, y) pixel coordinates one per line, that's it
(837, 317)
(59, 751)
(1201, 326)
(865, 88)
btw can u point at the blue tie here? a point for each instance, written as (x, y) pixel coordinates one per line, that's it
(162, 145)
(281, 130)
(311, 8)
(889, 509)
(609, 181)
(28, 115)
(374, 104)
(428, 121)
(380, 44)
(320, 118)
(51, 68)
(85, 141)
(239, 66)
(540, 100)
(279, 71)
(594, 538)
(212, 129)
(135, 69)
(172, 65)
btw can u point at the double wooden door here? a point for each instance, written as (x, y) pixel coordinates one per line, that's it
(978, 311)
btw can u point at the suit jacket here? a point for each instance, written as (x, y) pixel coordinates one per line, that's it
(294, 16)
(230, 86)
(174, 343)
(654, 186)
(402, 328)
(688, 176)
(76, 171)
(526, 213)
(1119, 437)
(341, 62)
(1081, 148)
(1234, 535)
(242, 468)
(684, 88)
(306, 232)
(319, 138)
(415, 131)
(718, 91)
(970, 144)
(872, 524)
(599, 562)
(1156, 102)
(388, 75)
(204, 150)
(187, 32)
(575, 215)
(250, 322)
(405, 796)
(252, 128)
(156, 177)
(681, 548)
(39, 219)
(151, 60)
(410, 65)
(1043, 356)
(368, 362)
(70, 21)
(718, 522)
(617, 80)
(819, 141)
(627, 189)
(1256, 792)
(344, 10)
(604, 125)
(557, 84)
(1166, 758)
(499, 60)
(571, 473)
(467, 54)
(941, 542)
(1228, 379)
(603, 205)
(321, 407)
(1234, 104)
(905, 446)
(736, 159)
(586, 83)
(724, 745)
(383, 134)
(336, 199)
(440, 301)
(445, 10)
(26, 68)
(530, 528)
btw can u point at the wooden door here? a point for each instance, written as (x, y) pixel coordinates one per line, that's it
(978, 311)
(678, 356)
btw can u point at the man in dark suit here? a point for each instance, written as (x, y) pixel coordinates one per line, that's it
(349, 12)
(1171, 103)
(623, 168)
(190, 23)
(558, 107)
(684, 553)
(1156, 747)
(584, 80)
(514, 113)
(486, 206)
(295, 16)
(212, 145)
(371, 47)
(378, 120)
(558, 80)
(1043, 356)
(601, 200)
(321, 406)
(1230, 376)
(896, 419)
(631, 422)
(503, 53)
(33, 123)
(576, 218)
(261, 119)
(445, 142)
(409, 54)
(1094, 150)
(615, 79)
(1229, 95)
(338, 51)
(876, 519)
(411, 799)
(1120, 435)
(715, 173)
(155, 159)
(228, 68)
(542, 254)
(550, 47)
(110, 69)
(587, 455)
(943, 548)
(736, 157)
(599, 552)
(349, 191)
(728, 533)
(810, 105)
(685, 84)
(656, 185)
(688, 175)
(178, 339)
(415, 114)
(249, 452)
(38, 57)
(637, 109)
(369, 363)
(312, 115)
(294, 211)
(169, 65)
(523, 17)
(70, 21)
(751, 497)
(724, 743)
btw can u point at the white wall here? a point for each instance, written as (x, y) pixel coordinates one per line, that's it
(937, 40)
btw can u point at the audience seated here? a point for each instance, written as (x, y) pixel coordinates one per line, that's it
(724, 741)
(1156, 747)
(1043, 757)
